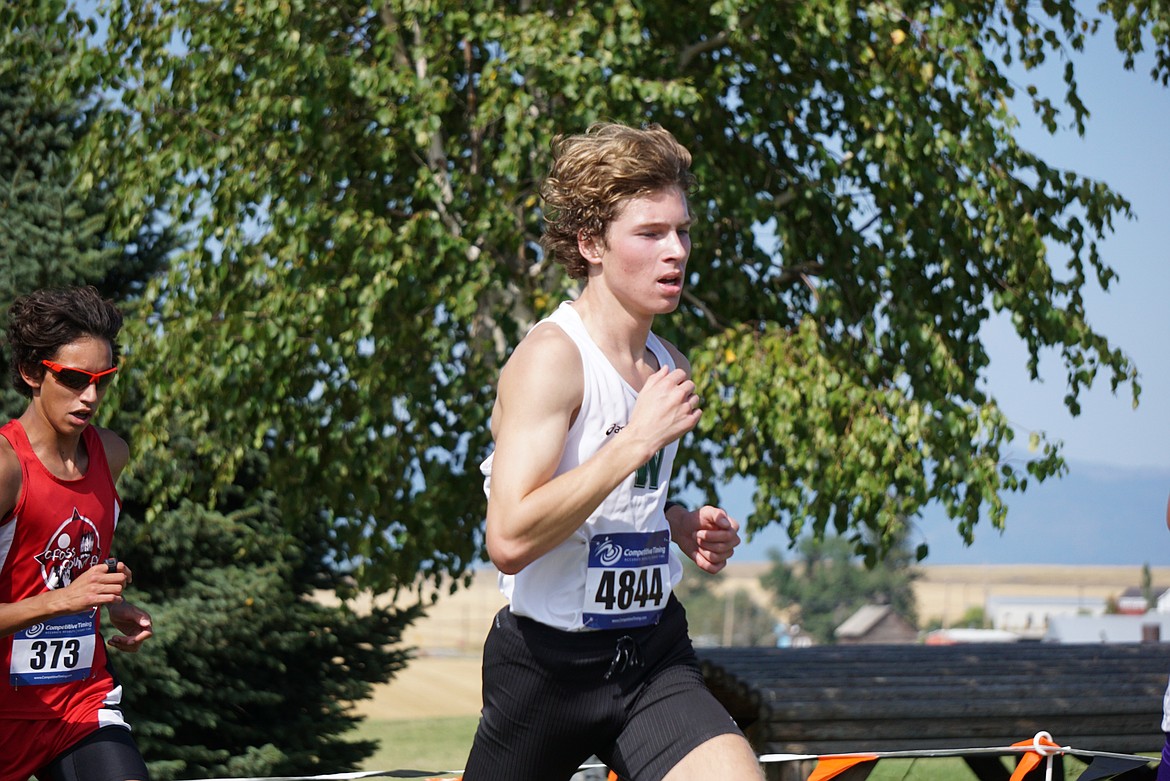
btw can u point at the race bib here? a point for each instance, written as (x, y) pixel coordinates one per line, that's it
(54, 651)
(628, 580)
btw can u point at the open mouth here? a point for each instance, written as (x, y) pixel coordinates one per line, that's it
(673, 279)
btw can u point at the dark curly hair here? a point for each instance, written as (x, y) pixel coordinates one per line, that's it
(595, 173)
(44, 321)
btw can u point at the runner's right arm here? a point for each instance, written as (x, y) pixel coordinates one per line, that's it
(530, 511)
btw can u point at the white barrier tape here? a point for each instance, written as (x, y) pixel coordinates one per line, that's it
(368, 774)
(953, 752)
(1045, 749)
(766, 758)
(925, 753)
(346, 776)
(1036, 748)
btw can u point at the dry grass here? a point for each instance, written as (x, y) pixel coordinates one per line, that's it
(443, 681)
(948, 591)
(425, 718)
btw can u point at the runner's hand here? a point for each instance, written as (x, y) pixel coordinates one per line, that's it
(667, 407)
(95, 587)
(708, 536)
(133, 622)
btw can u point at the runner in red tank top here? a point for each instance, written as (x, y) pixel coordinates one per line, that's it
(59, 714)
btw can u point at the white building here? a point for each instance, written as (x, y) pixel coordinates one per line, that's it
(1163, 603)
(1116, 628)
(1029, 617)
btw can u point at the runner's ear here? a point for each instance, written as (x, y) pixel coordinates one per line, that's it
(589, 246)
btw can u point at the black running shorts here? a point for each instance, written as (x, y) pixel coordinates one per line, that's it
(108, 754)
(551, 699)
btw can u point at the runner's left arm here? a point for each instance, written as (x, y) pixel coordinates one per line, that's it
(708, 536)
(133, 622)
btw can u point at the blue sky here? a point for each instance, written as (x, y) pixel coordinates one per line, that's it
(1110, 507)
(1125, 145)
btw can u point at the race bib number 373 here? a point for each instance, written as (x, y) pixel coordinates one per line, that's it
(628, 580)
(55, 651)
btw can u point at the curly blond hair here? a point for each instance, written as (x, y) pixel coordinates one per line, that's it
(595, 173)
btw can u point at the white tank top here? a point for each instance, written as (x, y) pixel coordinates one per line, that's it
(618, 568)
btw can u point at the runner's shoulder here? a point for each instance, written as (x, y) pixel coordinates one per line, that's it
(10, 478)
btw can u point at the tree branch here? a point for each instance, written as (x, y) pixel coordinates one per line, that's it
(687, 55)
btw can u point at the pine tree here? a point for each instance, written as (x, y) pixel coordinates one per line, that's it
(50, 231)
(53, 231)
(250, 671)
(1148, 587)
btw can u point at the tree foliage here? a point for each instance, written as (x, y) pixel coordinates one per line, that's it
(826, 583)
(361, 184)
(725, 616)
(254, 666)
(51, 232)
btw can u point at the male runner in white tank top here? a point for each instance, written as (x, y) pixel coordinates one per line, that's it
(592, 655)
(1164, 763)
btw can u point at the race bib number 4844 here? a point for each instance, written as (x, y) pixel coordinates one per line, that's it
(55, 651)
(628, 580)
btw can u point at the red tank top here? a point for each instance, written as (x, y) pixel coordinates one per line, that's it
(58, 530)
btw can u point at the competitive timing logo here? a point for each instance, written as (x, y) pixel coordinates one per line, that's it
(609, 553)
(71, 550)
(652, 548)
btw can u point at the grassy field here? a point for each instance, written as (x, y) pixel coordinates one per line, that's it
(425, 718)
(442, 744)
(947, 769)
(425, 744)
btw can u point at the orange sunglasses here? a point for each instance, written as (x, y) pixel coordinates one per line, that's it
(78, 379)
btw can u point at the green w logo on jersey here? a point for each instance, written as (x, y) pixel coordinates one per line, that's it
(647, 475)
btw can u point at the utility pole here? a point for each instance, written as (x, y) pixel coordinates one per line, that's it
(728, 619)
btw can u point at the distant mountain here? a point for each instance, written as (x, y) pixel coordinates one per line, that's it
(1094, 515)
